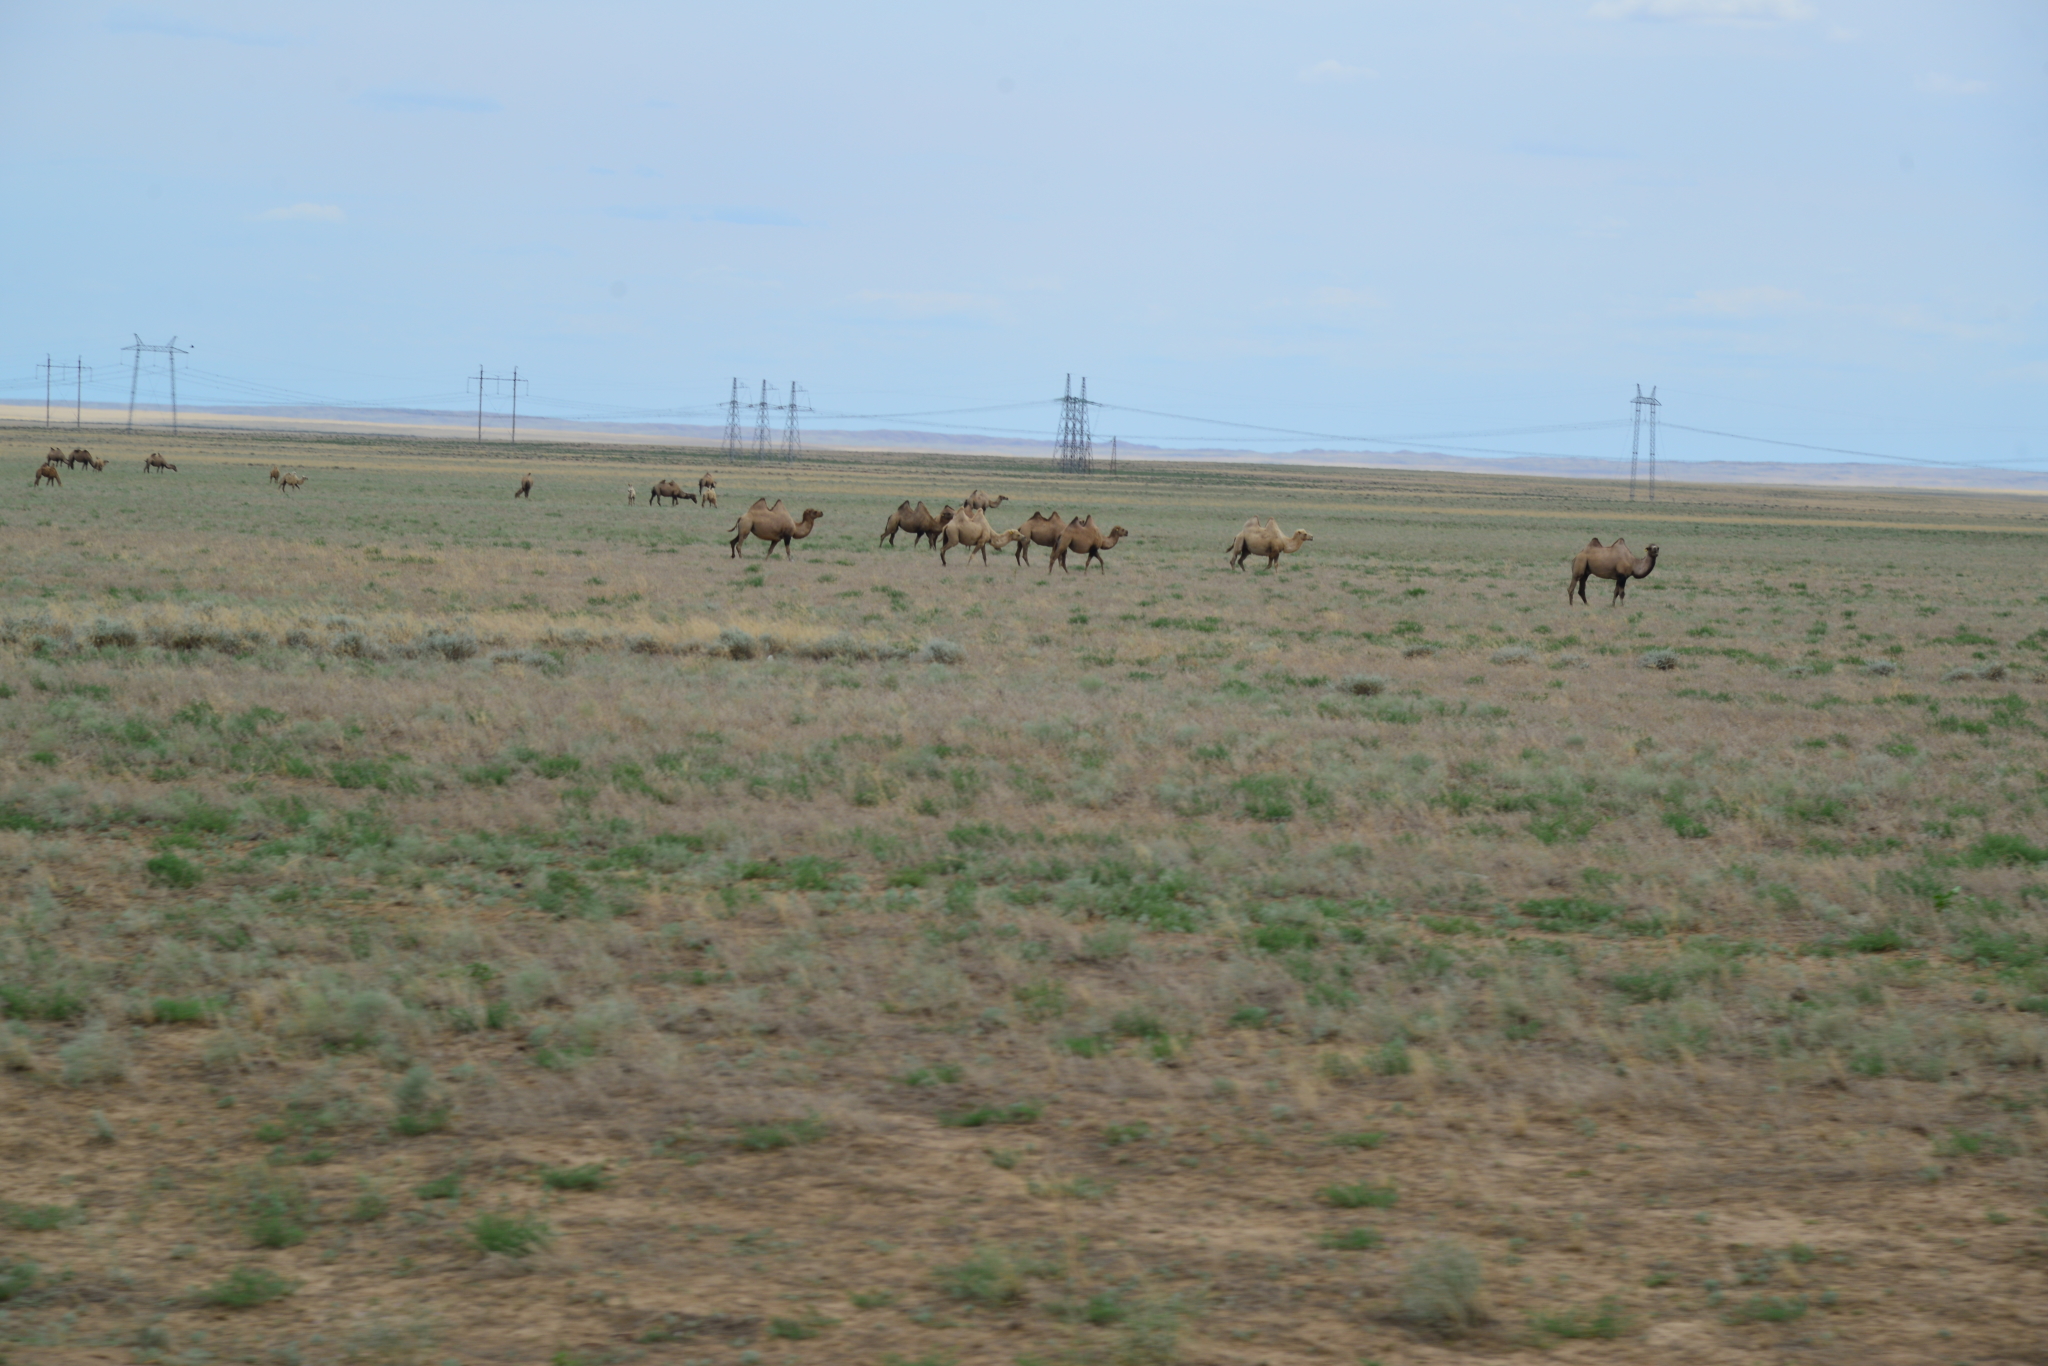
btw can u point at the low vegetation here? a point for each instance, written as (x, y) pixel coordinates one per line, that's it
(480, 915)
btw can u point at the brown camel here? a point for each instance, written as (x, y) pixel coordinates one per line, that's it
(707, 482)
(1609, 562)
(981, 502)
(773, 525)
(275, 474)
(49, 472)
(1038, 529)
(707, 497)
(525, 488)
(671, 490)
(290, 482)
(970, 529)
(97, 464)
(1083, 535)
(919, 521)
(56, 456)
(1265, 540)
(78, 457)
(156, 462)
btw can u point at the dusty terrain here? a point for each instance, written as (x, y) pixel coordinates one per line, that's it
(444, 928)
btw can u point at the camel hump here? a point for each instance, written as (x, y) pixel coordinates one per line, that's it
(1593, 544)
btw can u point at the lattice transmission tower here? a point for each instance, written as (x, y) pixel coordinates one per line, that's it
(171, 351)
(732, 424)
(1076, 453)
(792, 440)
(1645, 416)
(761, 411)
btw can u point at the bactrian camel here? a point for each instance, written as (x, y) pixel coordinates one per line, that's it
(971, 529)
(773, 525)
(1084, 536)
(1038, 530)
(290, 483)
(1609, 562)
(525, 488)
(49, 472)
(79, 457)
(1266, 540)
(275, 474)
(156, 462)
(919, 521)
(982, 502)
(671, 490)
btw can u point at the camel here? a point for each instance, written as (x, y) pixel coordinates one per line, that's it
(525, 488)
(78, 457)
(707, 482)
(55, 457)
(773, 525)
(49, 472)
(1264, 540)
(707, 497)
(981, 502)
(918, 521)
(156, 462)
(1083, 535)
(972, 530)
(630, 500)
(275, 474)
(287, 483)
(1038, 530)
(671, 490)
(1609, 562)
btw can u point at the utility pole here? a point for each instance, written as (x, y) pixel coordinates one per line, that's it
(1076, 452)
(732, 424)
(1112, 455)
(497, 384)
(792, 443)
(77, 369)
(171, 351)
(1645, 411)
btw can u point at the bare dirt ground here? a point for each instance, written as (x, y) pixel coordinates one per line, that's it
(444, 928)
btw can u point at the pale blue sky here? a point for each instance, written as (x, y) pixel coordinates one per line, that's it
(1801, 219)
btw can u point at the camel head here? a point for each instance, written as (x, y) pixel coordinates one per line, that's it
(810, 515)
(1301, 534)
(1650, 552)
(1117, 533)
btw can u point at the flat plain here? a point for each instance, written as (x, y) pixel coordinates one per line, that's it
(439, 927)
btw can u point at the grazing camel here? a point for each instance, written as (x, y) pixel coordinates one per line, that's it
(49, 472)
(289, 482)
(773, 525)
(1084, 535)
(525, 488)
(78, 457)
(981, 502)
(156, 462)
(919, 521)
(275, 474)
(97, 464)
(1265, 540)
(1038, 529)
(671, 490)
(1609, 562)
(970, 529)
(55, 457)
(707, 482)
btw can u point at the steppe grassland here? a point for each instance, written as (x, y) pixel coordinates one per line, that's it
(410, 890)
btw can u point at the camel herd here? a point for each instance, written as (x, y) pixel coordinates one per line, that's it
(966, 527)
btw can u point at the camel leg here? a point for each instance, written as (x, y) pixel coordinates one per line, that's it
(1620, 590)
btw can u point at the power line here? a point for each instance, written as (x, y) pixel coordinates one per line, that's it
(1643, 407)
(171, 351)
